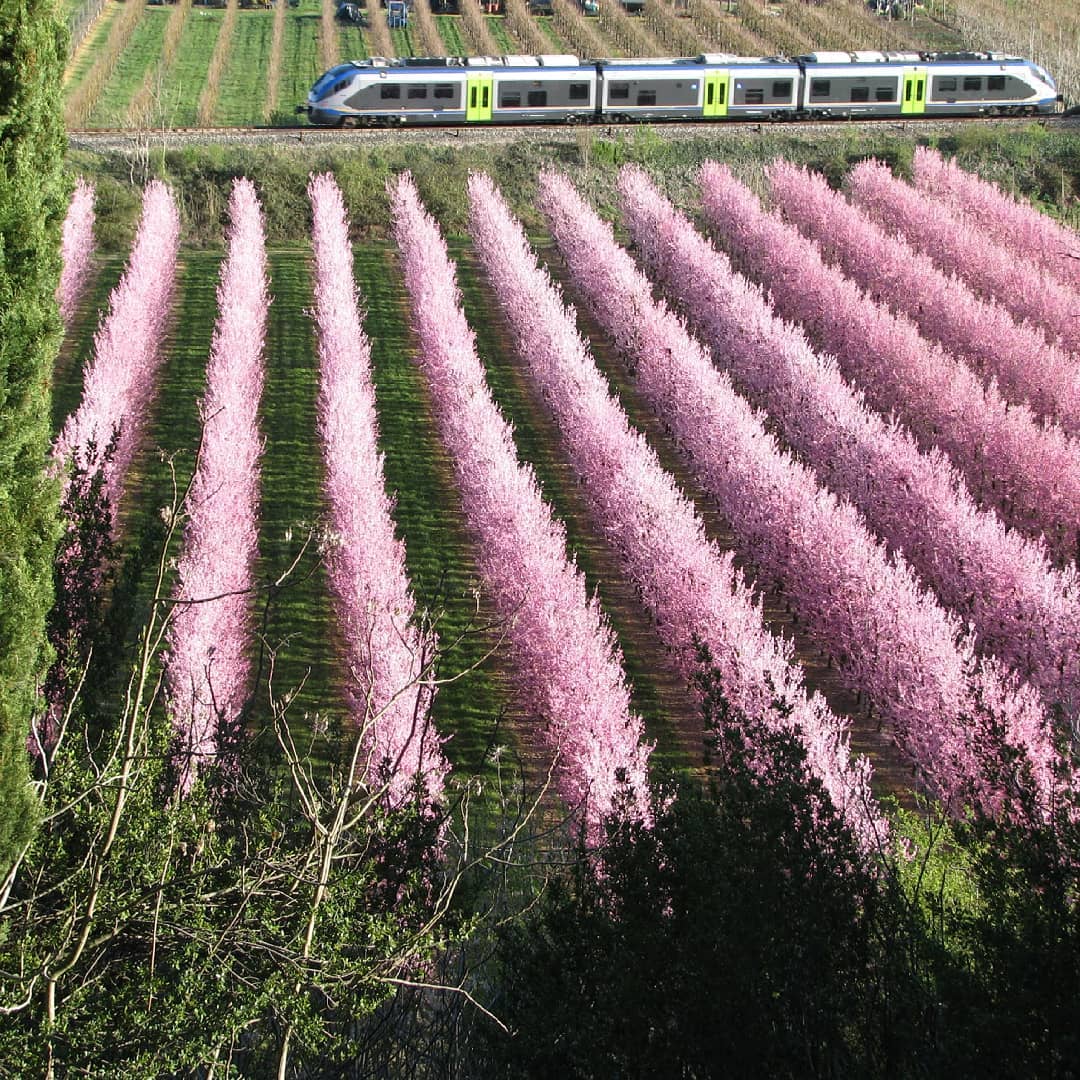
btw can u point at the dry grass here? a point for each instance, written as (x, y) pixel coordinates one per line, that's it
(628, 32)
(422, 23)
(520, 23)
(720, 32)
(1046, 31)
(379, 31)
(329, 49)
(273, 69)
(578, 31)
(678, 36)
(81, 103)
(474, 23)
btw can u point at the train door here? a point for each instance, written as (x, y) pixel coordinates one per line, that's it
(717, 93)
(913, 101)
(478, 91)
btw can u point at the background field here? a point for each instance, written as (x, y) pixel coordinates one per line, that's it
(120, 46)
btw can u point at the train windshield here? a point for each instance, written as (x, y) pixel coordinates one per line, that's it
(327, 80)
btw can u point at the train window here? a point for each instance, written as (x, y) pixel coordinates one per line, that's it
(820, 87)
(390, 91)
(510, 99)
(946, 85)
(646, 97)
(579, 91)
(620, 91)
(995, 82)
(885, 93)
(444, 91)
(339, 86)
(755, 95)
(537, 97)
(972, 83)
(782, 89)
(860, 93)
(416, 92)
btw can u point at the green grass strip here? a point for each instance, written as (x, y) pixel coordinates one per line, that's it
(303, 63)
(78, 345)
(354, 43)
(90, 47)
(428, 515)
(298, 617)
(403, 42)
(185, 79)
(449, 27)
(496, 24)
(537, 438)
(242, 91)
(547, 25)
(141, 54)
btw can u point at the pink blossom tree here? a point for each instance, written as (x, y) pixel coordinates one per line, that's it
(208, 666)
(958, 717)
(563, 647)
(1027, 471)
(996, 274)
(387, 656)
(983, 334)
(76, 250)
(121, 379)
(692, 589)
(1020, 608)
(998, 217)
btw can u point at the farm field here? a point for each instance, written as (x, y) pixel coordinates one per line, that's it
(752, 28)
(483, 707)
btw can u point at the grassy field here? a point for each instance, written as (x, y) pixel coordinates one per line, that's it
(752, 27)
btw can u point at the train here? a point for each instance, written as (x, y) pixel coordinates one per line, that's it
(558, 88)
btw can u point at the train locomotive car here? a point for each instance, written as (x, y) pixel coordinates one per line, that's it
(712, 86)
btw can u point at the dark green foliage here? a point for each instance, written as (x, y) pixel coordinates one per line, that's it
(736, 938)
(32, 193)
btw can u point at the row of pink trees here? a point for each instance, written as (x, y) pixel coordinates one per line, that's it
(387, 658)
(209, 661)
(1021, 609)
(691, 588)
(999, 218)
(982, 333)
(120, 382)
(994, 273)
(76, 250)
(568, 662)
(1029, 472)
(956, 716)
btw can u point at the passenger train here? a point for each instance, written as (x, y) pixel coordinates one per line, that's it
(713, 86)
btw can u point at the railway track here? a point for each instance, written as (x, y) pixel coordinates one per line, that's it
(127, 138)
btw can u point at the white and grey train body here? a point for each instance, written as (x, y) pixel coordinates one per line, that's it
(564, 89)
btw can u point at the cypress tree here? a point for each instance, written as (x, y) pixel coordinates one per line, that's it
(33, 46)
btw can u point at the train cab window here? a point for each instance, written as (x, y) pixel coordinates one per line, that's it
(339, 86)
(860, 93)
(417, 92)
(995, 82)
(579, 91)
(755, 95)
(971, 83)
(885, 93)
(389, 91)
(782, 89)
(646, 97)
(946, 86)
(820, 87)
(444, 91)
(537, 97)
(510, 99)
(619, 91)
